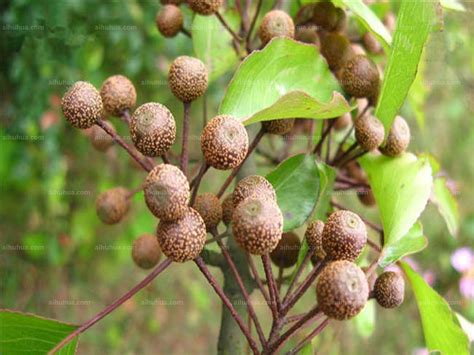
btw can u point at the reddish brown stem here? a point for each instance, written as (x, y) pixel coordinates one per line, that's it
(274, 297)
(302, 266)
(317, 149)
(227, 27)
(197, 181)
(310, 336)
(252, 25)
(256, 277)
(185, 146)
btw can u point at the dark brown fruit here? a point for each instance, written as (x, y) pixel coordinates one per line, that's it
(389, 289)
(329, 17)
(336, 49)
(167, 192)
(183, 239)
(343, 122)
(342, 290)
(285, 254)
(355, 171)
(369, 132)
(188, 78)
(398, 138)
(307, 34)
(100, 139)
(118, 94)
(153, 129)
(360, 77)
(253, 186)
(169, 20)
(344, 236)
(371, 43)
(205, 7)
(224, 142)
(146, 251)
(257, 225)
(314, 238)
(82, 105)
(210, 209)
(366, 196)
(276, 23)
(227, 209)
(112, 205)
(279, 127)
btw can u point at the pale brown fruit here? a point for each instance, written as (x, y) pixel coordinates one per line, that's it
(188, 78)
(146, 251)
(210, 209)
(118, 94)
(112, 205)
(253, 186)
(276, 23)
(82, 105)
(169, 20)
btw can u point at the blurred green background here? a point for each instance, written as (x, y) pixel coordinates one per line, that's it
(59, 261)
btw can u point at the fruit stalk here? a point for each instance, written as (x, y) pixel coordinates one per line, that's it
(185, 146)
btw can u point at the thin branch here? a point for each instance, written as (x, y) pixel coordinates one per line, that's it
(110, 308)
(227, 27)
(213, 282)
(302, 266)
(310, 336)
(339, 157)
(185, 146)
(186, 32)
(252, 25)
(342, 142)
(274, 297)
(256, 277)
(197, 181)
(317, 149)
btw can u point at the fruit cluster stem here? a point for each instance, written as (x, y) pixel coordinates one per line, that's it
(185, 139)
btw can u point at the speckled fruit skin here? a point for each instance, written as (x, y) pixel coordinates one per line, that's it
(224, 142)
(314, 238)
(167, 192)
(398, 138)
(118, 94)
(153, 129)
(188, 78)
(183, 239)
(169, 20)
(205, 7)
(146, 251)
(344, 236)
(336, 49)
(342, 290)
(82, 105)
(257, 225)
(209, 208)
(253, 186)
(285, 254)
(227, 209)
(276, 23)
(100, 139)
(369, 132)
(279, 127)
(112, 205)
(389, 289)
(360, 77)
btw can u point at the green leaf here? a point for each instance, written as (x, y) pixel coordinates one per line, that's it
(369, 20)
(296, 182)
(301, 105)
(447, 205)
(284, 66)
(213, 44)
(418, 94)
(307, 349)
(411, 243)
(440, 325)
(401, 187)
(414, 24)
(22, 333)
(365, 320)
(452, 5)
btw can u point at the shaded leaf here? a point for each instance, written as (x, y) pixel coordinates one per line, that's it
(452, 5)
(447, 205)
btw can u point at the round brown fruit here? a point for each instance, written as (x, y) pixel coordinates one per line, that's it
(307, 34)
(276, 23)
(366, 196)
(253, 186)
(118, 94)
(398, 138)
(227, 209)
(360, 77)
(369, 132)
(279, 127)
(337, 50)
(209, 208)
(314, 238)
(146, 251)
(187, 78)
(389, 289)
(205, 7)
(285, 254)
(343, 122)
(100, 139)
(112, 205)
(82, 105)
(169, 20)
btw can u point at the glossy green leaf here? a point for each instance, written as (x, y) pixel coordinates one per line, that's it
(213, 44)
(414, 23)
(296, 182)
(411, 243)
(365, 320)
(401, 187)
(447, 205)
(22, 333)
(440, 326)
(266, 77)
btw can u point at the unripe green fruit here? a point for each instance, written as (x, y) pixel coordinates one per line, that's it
(369, 132)
(188, 78)
(118, 94)
(209, 208)
(169, 20)
(227, 209)
(153, 129)
(279, 127)
(183, 239)
(314, 238)
(112, 205)
(389, 289)
(276, 23)
(285, 254)
(146, 251)
(253, 186)
(342, 290)
(343, 122)
(100, 139)
(398, 138)
(337, 50)
(205, 7)
(344, 236)
(257, 225)
(82, 105)
(224, 142)
(360, 77)
(167, 192)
